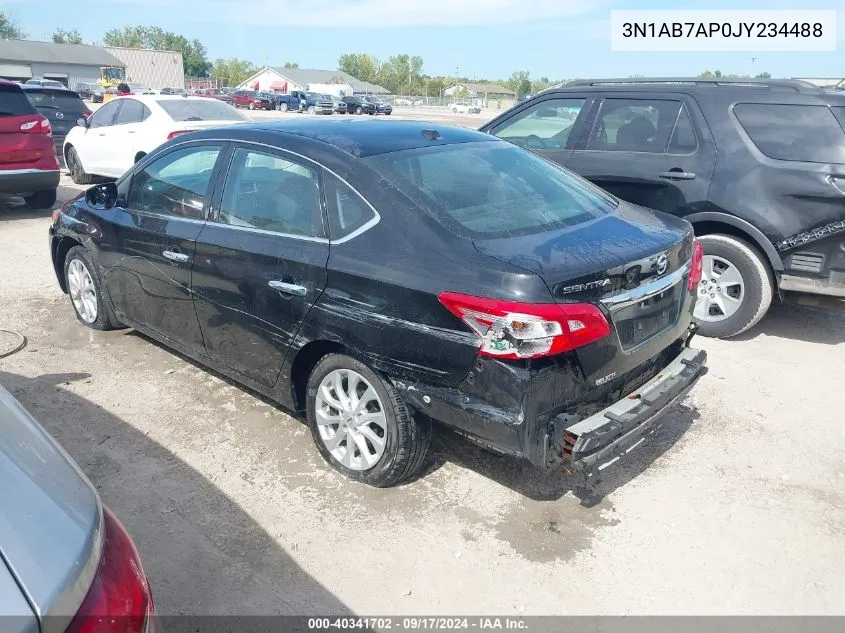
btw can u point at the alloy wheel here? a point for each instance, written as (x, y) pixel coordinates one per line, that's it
(721, 290)
(351, 419)
(82, 291)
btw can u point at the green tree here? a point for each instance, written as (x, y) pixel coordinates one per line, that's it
(291, 65)
(520, 82)
(706, 75)
(232, 71)
(763, 76)
(360, 65)
(434, 86)
(400, 74)
(9, 29)
(194, 54)
(61, 36)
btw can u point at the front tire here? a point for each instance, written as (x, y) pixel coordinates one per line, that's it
(77, 173)
(361, 425)
(41, 199)
(283, 107)
(85, 291)
(736, 287)
(359, 110)
(251, 105)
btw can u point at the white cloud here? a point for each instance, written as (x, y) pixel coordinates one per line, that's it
(380, 13)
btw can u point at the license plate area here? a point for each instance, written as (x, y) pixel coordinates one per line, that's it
(639, 322)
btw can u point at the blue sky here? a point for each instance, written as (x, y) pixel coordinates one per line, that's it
(483, 38)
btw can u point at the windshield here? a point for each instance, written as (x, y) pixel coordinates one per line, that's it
(492, 189)
(56, 100)
(200, 110)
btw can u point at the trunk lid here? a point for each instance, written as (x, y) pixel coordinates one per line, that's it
(633, 263)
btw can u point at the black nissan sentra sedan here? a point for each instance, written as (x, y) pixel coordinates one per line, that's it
(382, 275)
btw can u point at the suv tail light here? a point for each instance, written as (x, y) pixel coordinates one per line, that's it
(119, 600)
(512, 329)
(697, 264)
(37, 126)
(176, 133)
(86, 113)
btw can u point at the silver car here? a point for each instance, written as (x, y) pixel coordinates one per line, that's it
(66, 562)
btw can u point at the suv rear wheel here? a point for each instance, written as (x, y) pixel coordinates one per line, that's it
(361, 425)
(41, 199)
(74, 165)
(736, 287)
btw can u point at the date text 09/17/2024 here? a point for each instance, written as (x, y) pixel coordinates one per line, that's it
(418, 623)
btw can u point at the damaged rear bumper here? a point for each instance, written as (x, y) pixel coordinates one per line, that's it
(608, 433)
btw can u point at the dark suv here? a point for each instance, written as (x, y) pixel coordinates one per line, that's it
(62, 108)
(356, 105)
(758, 168)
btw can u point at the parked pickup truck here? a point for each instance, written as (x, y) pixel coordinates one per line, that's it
(294, 101)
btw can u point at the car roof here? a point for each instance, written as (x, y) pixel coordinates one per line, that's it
(368, 137)
(42, 89)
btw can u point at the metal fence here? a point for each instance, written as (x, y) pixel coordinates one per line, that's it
(399, 101)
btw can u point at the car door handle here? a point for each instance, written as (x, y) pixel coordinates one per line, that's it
(177, 257)
(291, 289)
(131, 131)
(677, 175)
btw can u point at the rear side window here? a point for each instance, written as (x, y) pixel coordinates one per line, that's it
(200, 110)
(347, 210)
(634, 125)
(13, 102)
(492, 189)
(794, 132)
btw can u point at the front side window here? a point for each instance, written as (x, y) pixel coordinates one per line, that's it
(634, 125)
(267, 192)
(793, 132)
(492, 189)
(544, 125)
(177, 184)
(132, 112)
(106, 115)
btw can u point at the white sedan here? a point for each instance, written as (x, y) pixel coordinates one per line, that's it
(126, 129)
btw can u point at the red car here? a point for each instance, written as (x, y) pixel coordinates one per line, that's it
(253, 100)
(28, 163)
(211, 93)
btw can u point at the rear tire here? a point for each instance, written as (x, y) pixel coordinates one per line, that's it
(359, 110)
(721, 253)
(403, 443)
(77, 173)
(41, 199)
(283, 107)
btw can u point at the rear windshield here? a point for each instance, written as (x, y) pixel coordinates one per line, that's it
(492, 189)
(200, 110)
(794, 132)
(56, 100)
(13, 102)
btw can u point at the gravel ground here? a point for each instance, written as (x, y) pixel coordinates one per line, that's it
(736, 505)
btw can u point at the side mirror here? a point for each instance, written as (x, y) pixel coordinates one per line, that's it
(104, 195)
(82, 122)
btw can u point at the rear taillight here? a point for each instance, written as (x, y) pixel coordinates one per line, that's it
(512, 329)
(697, 264)
(119, 600)
(86, 113)
(37, 126)
(176, 133)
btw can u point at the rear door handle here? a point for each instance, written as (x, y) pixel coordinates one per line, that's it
(677, 175)
(177, 257)
(131, 131)
(291, 289)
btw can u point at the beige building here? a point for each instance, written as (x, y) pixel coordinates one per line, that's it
(153, 69)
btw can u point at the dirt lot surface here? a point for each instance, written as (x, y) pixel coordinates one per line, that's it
(736, 505)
